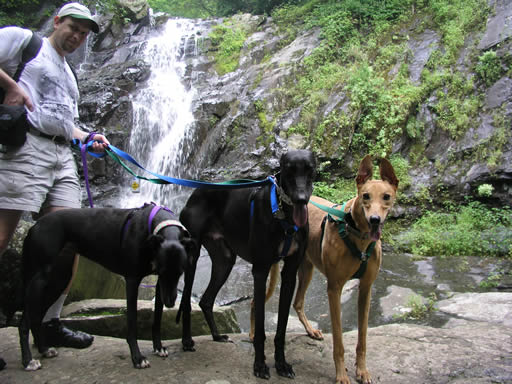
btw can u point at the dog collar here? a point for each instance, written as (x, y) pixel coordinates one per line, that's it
(168, 223)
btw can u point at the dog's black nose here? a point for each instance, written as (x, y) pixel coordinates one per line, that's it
(374, 220)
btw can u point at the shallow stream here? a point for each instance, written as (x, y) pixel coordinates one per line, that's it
(402, 279)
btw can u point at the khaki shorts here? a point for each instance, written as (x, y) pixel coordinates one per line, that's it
(40, 174)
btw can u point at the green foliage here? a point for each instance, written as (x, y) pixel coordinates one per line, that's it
(401, 167)
(489, 68)
(228, 40)
(467, 230)
(384, 106)
(339, 191)
(485, 190)
(419, 309)
(185, 8)
(361, 57)
(23, 13)
(492, 281)
(455, 18)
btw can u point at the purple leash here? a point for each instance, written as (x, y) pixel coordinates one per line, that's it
(83, 151)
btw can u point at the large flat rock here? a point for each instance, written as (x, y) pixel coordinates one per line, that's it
(470, 352)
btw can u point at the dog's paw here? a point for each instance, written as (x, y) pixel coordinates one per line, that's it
(284, 369)
(316, 334)
(363, 376)
(33, 365)
(50, 352)
(222, 339)
(188, 345)
(144, 363)
(261, 370)
(162, 352)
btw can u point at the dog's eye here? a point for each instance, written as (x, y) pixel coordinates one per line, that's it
(366, 196)
(387, 197)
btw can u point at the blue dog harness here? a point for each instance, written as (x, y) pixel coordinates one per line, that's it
(276, 194)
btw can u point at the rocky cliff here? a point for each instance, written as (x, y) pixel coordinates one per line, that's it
(243, 119)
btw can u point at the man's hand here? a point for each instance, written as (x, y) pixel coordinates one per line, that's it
(14, 94)
(100, 143)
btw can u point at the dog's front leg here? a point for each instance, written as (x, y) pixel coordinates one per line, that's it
(132, 286)
(260, 279)
(334, 289)
(157, 323)
(363, 305)
(288, 281)
(185, 309)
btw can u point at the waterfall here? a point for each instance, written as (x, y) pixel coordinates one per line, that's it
(162, 116)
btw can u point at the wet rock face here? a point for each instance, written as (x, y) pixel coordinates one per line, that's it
(241, 118)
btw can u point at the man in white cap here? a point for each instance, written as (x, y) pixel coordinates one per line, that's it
(41, 176)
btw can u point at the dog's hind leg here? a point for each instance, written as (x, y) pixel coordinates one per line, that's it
(223, 260)
(305, 274)
(26, 354)
(157, 322)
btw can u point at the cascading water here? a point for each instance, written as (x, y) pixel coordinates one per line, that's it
(163, 116)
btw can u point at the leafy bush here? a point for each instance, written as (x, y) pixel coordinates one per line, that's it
(228, 40)
(473, 229)
(338, 192)
(485, 190)
(489, 67)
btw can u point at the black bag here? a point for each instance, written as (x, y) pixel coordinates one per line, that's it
(13, 118)
(13, 125)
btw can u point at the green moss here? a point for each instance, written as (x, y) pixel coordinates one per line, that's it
(227, 40)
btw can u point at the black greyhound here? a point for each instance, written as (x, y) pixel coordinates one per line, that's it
(130, 242)
(261, 225)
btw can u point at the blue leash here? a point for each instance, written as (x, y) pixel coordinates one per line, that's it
(118, 154)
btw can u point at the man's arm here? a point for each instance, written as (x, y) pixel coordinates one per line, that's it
(14, 94)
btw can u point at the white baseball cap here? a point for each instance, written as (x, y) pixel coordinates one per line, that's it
(79, 11)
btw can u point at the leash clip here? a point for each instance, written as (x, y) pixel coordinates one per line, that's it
(279, 214)
(364, 258)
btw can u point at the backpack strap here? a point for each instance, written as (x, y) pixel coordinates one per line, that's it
(29, 52)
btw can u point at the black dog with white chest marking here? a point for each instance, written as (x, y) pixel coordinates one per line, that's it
(261, 225)
(130, 242)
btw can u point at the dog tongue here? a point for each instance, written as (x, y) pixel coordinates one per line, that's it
(375, 233)
(300, 214)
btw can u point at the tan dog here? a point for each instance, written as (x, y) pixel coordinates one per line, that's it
(329, 253)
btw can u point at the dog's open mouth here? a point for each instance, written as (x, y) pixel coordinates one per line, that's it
(300, 214)
(375, 232)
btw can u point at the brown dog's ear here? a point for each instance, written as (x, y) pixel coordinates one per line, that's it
(387, 173)
(365, 170)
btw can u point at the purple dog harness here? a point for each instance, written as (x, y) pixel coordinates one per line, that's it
(162, 224)
(151, 217)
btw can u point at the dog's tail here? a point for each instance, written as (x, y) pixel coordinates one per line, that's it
(178, 315)
(11, 286)
(274, 275)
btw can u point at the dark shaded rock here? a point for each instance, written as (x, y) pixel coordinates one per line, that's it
(108, 318)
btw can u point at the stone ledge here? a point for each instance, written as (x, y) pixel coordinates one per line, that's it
(107, 317)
